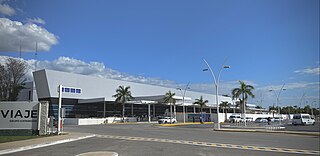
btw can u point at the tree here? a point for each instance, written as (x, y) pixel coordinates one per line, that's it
(12, 79)
(225, 105)
(123, 94)
(202, 103)
(238, 103)
(168, 98)
(243, 92)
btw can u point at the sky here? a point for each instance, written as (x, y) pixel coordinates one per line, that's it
(267, 43)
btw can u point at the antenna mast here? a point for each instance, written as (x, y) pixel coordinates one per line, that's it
(36, 56)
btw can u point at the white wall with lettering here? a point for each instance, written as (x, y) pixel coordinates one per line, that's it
(18, 115)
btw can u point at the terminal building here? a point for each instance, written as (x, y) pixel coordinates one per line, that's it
(86, 96)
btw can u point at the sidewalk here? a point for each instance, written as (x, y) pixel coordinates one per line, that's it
(16, 146)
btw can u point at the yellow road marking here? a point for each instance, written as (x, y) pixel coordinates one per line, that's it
(197, 143)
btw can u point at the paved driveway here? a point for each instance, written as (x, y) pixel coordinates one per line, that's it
(148, 139)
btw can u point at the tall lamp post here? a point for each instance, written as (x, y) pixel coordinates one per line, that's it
(216, 85)
(183, 105)
(59, 108)
(312, 107)
(278, 99)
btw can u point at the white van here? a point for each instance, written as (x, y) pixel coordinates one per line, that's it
(302, 119)
(235, 118)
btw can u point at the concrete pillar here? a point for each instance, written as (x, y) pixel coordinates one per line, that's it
(149, 117)
(132, 110)
(154, 110)
(104, 109)
(43, 110)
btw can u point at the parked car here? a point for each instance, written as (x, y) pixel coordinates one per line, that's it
(249, 119)
(167, 120)
(302, 119)
(261, 120)
(235, 118)
(276, 119)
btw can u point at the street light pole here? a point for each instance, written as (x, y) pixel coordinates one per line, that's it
(278, 99)
(216, 85)
(312, 108)
(59, 109)
(183, 105)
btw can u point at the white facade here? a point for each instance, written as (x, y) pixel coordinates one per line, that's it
(47, 82)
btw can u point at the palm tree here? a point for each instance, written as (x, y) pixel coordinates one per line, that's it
(237, 105)
(225, 105)
(201, 103)
(194, 108)
(168, 98)
(123, 94)
(242, 93)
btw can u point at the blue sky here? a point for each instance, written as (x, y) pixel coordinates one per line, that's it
(266, 43)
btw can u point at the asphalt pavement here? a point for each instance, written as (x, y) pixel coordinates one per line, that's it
(287, 127)
(151, 139)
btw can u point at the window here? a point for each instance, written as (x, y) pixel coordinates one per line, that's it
(296, 117)
(305, 117)
(71, 90)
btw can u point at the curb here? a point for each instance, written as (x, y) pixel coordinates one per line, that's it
(261, 131)
(8, 151)
(102, 153)
(183, 124)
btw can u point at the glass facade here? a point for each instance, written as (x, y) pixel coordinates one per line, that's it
(73, 109)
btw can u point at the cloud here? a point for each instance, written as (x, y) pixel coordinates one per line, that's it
(14, 34)
(313, 71)
(292, 86)
(5, 9)
(225, 87)
(96, 69)
(36, 20)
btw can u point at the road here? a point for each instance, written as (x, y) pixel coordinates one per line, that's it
(148, 139)
(288, 127)
(308, 128)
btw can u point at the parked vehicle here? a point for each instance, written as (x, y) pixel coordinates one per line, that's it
(235, 118)
(261, 120)
(276, 119)
(249, 119)
(167, 120)
(302, 119)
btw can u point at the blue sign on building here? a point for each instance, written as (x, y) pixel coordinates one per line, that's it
(71, 90)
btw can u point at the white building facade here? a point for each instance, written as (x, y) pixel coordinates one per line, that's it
(87, 96)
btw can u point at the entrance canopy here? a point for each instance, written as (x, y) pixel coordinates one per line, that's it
(94, 100)
(156, 99)
(160, 99)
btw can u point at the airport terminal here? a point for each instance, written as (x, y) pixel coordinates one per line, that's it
(91, 97)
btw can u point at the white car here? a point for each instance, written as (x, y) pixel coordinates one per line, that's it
(302, 119)
(249, 119)
(235, 118)
(167, 120)
(276, 119)
(261, 120)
